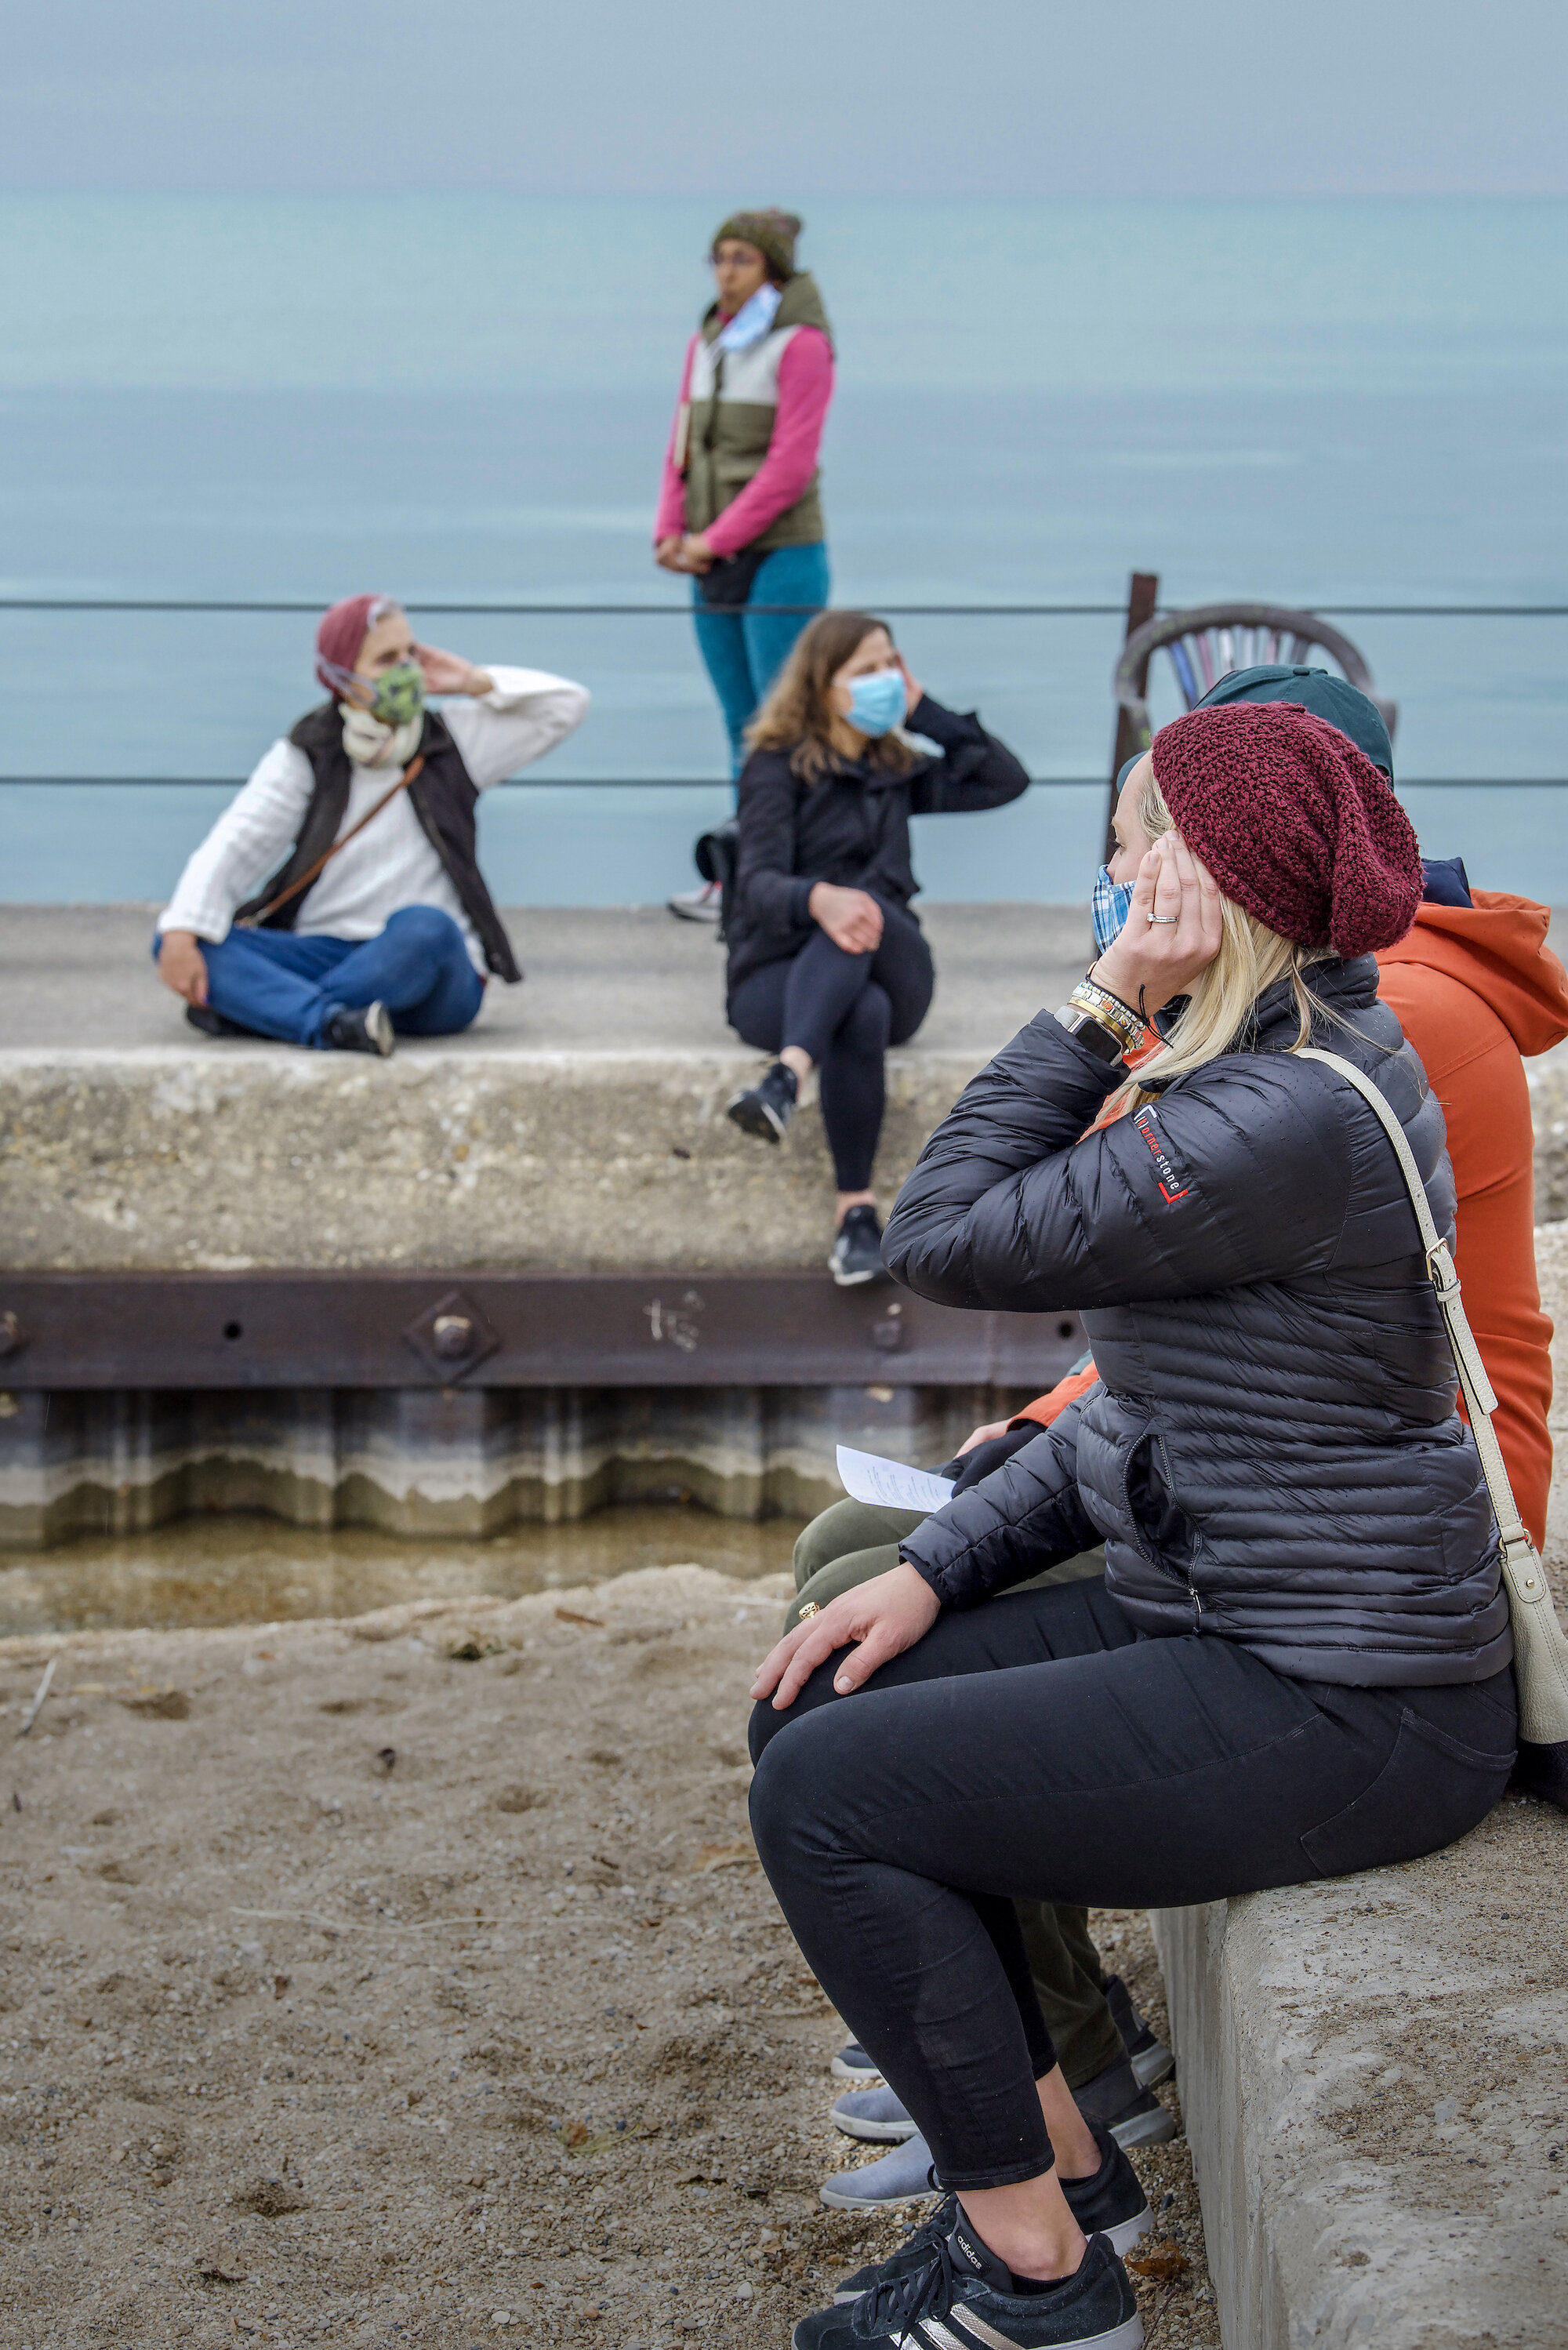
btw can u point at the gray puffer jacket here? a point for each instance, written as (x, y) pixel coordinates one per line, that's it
(1273, 1455)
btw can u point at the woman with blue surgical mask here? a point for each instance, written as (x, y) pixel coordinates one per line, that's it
(1110, 899)
(828, 964)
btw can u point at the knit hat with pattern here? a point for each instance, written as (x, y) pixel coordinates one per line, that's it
(1294, 823)
(771, 231)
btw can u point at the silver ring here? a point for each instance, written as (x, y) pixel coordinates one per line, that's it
(1163, 918)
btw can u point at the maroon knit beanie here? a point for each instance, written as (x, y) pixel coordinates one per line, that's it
(1294, 823)
(340, 632)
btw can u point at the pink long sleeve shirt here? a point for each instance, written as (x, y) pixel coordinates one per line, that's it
(806, 388)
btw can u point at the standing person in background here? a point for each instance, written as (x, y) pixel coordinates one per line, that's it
(740, 508)
(828, 964)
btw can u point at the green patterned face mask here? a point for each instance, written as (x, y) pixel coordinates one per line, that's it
(400, 694)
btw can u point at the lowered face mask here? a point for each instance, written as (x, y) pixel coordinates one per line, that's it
(876, 703)
(1112, 903)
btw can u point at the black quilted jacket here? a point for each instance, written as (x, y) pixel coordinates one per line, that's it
(1273, 1454)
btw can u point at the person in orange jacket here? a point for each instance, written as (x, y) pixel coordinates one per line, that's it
(1477, 990)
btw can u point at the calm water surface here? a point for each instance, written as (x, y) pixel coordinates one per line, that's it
(1316, 403)
(242, 1570)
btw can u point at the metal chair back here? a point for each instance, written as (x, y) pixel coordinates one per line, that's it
(1207, 641)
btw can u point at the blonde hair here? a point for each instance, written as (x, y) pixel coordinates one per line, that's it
(1220, 1001)
(796, 717)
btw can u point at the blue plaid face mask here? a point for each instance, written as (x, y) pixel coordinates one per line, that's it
(1111, 902)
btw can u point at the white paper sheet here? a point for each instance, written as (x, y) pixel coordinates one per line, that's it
(889, 1483)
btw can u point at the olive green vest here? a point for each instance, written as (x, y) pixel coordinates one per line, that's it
(727, 421)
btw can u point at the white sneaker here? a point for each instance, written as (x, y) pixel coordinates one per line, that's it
(702, 905)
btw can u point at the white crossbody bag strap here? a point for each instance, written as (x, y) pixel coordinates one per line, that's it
(1540, 1648)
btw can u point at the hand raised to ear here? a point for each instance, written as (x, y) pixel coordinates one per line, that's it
(1173, 928)
(878, 1620)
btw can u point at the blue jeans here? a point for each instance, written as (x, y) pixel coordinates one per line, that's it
(744, 651)
(289, 987)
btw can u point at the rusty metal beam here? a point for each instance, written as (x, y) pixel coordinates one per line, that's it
(174, 1330)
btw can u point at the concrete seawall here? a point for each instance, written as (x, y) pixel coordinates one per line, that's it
(577, 1129)
(1374, 2072)
(579, 1125)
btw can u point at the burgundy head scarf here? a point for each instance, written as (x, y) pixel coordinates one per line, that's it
(340, 634)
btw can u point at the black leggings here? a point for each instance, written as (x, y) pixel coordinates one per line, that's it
(1035, 1746)
(844, 1010)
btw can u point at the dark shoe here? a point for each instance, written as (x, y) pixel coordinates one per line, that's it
(911, 2253)
(857, 1251)
(213, 1024)
(369, 1031)
(765, 1110)
(1151, 2060)
(1542, 1772)
(852, 2063)
(704, 905)
(1134, 2116)
(961, 2293)
(1110, 2203)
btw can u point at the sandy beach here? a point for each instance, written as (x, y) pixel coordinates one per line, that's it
(411, 1979)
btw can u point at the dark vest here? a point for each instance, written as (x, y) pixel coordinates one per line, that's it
(445, 799)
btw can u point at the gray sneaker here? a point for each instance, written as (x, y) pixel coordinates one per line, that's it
(875, 2114)
(852, 2063)
(899, 2176)
(1112, 2101)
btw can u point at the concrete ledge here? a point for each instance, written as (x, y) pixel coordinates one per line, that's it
(579, 1127)
(1374, 2072)
(1373, 2081)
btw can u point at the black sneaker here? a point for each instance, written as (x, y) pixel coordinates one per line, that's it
(961, 2294)
(213, 1024)
(765, 1110)
(369, 1031)
(1114, 2101)
(857, 1251)
(1109, 2203)
(1151, 2059)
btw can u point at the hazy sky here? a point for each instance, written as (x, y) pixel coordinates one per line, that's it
(823, 97)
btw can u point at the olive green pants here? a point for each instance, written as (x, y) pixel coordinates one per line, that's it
(847, 1545)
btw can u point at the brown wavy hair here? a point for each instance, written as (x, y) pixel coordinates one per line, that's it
(796, 718)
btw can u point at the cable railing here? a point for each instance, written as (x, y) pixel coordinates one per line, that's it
(315, 606)
(721, 783)
(665, 608)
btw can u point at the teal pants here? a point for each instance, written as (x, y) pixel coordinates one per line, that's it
(847, 1545)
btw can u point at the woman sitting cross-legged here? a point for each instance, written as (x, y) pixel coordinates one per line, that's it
(1297, 1662)
(828, 964)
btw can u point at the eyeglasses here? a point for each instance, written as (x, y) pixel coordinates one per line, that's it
(734, 260)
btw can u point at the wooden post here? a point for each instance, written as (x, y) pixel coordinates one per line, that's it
(1143, 595)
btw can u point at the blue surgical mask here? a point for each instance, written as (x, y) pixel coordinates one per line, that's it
(876, 702)
(751, 321)
(1112, 903)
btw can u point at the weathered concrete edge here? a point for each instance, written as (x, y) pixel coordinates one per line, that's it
(1337, 2209)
